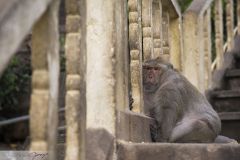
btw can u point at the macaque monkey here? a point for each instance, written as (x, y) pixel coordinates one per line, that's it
(182, 113)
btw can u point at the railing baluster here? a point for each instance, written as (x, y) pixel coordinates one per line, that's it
(207, 48)
(230, 23)
(176, 43)
(147, 29)
(45, 81)
(157, 28)
(75, 81)
(135, 44)
(218, 31)
(165, 31)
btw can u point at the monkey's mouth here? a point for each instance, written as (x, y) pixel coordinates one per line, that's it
(151, 79)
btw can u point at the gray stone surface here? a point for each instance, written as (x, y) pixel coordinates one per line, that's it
(167, 151)
(134, 127)
(100, 144)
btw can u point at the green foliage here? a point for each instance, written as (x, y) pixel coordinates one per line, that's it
(184, 4)
(14, 82)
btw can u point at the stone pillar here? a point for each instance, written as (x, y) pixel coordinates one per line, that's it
(147, 29)
(135, 44)
(176, 45)
(193, 69)
(122, 55)
(45, 81)
(157, 28)
(207, 49)
(102, 59)
(75, 80)
(230, 24)
(100, 65)
(190, 45)
(218, 31)
(200, 54)
(165, 37)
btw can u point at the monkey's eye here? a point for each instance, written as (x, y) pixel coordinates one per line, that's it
(147, 67)
(156, 68)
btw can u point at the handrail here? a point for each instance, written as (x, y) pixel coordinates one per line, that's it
(174, 7)
(20, 119)
(17, 19)
(199, 6)
(225, 48)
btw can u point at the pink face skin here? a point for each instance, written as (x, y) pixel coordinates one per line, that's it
(151, 74)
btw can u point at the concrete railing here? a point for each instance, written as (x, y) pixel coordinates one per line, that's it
(100, 74)
(17, 18)
(204, 34)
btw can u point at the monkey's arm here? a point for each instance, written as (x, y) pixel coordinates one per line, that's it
(166, 112)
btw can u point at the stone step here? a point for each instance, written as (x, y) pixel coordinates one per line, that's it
(61, 151)
(61, 117)
(233, 79)
(226, 100)
(229, 116)
(61, 134)
(238, 62)
(233, 73)
(174, 151)
(230, 124)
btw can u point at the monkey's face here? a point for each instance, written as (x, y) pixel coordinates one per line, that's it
(151, 76)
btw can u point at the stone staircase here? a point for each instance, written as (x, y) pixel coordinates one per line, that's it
(226, 98)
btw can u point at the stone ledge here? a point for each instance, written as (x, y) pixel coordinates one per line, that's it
(133, 126)
(233, 73)
(226, 94)
(229, 115)
(175, 151)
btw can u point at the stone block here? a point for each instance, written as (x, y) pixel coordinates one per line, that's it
(170, 151)
(100, 144)
(73, 24)
(123, 123)
(72, 7)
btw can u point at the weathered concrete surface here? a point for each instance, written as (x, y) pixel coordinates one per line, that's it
(136, 52)
(100, 144)
(133, 127)
(75, 79)
(167, 151)
(193, 30)
(45, 82)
